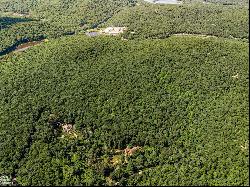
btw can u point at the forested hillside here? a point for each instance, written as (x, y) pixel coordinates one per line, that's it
(69, 12)
(224, 2)
(182, 100)
(229, 2)
(160, 21)
(164, 103)
(52, 19)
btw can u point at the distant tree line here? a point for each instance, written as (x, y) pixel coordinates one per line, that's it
(161, 21)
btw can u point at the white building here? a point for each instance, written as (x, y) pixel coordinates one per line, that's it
(114, 30)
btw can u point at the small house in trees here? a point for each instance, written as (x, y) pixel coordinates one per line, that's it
(67, 127)
(114, 30)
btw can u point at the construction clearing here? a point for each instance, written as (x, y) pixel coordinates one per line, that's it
(112, 31)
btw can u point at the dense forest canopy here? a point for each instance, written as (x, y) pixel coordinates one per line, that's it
(52, 19)
(164, 103)
(177, 99)
(229, 2)
(160, 21)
